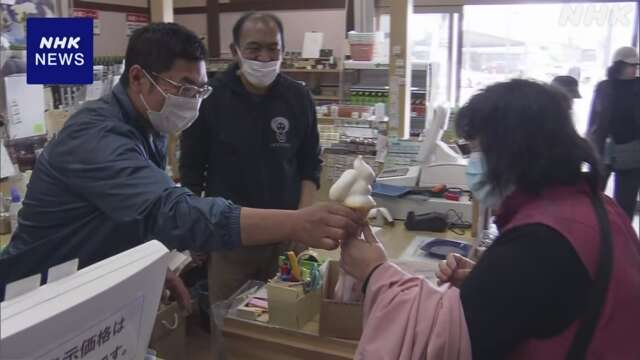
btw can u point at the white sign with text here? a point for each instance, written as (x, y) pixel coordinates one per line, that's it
(115, 337)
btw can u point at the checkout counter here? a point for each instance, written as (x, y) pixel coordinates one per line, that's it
(246, 339)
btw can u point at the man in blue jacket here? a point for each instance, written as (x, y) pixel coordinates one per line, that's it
(259, 126)
(100, 187)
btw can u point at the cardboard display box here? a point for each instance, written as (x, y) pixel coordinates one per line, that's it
(117, 296)
(339, 320)
(289, 306)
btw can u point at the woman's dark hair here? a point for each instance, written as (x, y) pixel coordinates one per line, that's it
(526, 133)
(157, 46)
(268, 17)
(615, 70)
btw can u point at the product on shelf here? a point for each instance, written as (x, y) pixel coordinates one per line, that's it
(369, 97)
(322, 63)
(362, 45)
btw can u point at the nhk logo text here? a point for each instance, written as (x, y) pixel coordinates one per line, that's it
(59, 50)
(53, 58)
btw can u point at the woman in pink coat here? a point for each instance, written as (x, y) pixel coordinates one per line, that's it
(562, 280)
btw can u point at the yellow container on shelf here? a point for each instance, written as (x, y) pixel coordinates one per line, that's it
(289, 305)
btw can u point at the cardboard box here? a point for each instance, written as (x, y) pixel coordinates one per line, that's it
(54, 121)
(340, 320)
(289, 306)
(169, 333)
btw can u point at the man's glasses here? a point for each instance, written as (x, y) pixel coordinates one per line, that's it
(186, 90)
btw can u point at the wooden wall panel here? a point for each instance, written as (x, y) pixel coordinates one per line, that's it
(110, 7)
(190, 10)
(213, 28)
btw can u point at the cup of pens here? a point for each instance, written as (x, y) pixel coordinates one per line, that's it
(304, 269)
(294, 293)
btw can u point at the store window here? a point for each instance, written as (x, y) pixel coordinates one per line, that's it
(540, 41)
(431, 33)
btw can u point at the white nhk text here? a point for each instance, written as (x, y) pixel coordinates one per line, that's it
(60, 58)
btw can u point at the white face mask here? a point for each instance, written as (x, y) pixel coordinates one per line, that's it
(177, 114)
(258, 73)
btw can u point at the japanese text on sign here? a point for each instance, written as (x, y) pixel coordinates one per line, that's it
(114, 338)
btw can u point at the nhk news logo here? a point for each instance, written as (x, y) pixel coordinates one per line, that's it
(59, 50)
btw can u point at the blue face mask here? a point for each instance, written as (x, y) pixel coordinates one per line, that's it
(478, 183)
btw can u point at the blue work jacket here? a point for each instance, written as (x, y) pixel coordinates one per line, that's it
(100, 188)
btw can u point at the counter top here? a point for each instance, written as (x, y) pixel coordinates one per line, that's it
(246, 339)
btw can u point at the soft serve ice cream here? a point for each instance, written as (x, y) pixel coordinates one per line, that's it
(353, 189)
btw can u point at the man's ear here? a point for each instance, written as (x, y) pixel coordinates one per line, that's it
(234, 50)
(136, 77)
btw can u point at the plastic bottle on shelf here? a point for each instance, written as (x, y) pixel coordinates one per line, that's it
(14, 208)
(20, 181)
(355, 97)
(378, 98)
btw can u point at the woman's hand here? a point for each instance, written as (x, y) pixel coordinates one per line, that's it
(179, 291)
(360, 256)
(454, 270)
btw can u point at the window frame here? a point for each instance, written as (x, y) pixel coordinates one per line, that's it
(456, 37)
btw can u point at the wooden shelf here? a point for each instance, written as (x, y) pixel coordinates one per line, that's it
(373, 65)
(365, 65)
(326, 97)
(329, 118)
(254, 340)
(310, 70)
(291, 70)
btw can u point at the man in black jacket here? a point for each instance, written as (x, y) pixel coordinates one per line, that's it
(255, 143)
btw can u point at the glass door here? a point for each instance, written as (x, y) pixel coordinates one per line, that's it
(434, 36)
(541, 41)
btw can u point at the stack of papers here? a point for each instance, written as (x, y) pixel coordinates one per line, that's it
(25, 107)
(312, 44)
(178, 261)
(7, 168)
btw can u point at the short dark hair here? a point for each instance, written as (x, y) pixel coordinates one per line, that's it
(526, 133)
(615, 70)
(268, 17)
(157, 46)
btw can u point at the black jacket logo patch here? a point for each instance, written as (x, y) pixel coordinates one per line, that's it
(281, 126)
